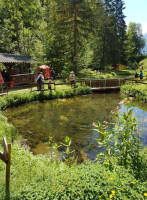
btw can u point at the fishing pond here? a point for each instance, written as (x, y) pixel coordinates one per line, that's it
(72, 117)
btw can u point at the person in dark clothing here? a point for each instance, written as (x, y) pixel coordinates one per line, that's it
(136, 75)
(52, 74)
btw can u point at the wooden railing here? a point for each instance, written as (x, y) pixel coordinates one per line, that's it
(20, 79)
(104, 83)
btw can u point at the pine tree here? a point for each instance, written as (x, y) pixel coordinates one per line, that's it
(74, 21)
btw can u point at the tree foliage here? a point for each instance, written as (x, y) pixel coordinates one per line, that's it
(135, 41)
(69, 35)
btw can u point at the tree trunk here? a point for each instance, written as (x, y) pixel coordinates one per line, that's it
(75, 41)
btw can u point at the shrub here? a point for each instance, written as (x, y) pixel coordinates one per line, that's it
(15, 99)
(138, 91)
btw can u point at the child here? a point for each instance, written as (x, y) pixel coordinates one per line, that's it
(136, 75)
(50, 84)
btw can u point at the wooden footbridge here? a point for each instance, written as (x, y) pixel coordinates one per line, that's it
(105, 84)
(95, 84)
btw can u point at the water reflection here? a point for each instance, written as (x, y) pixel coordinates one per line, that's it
(68, 117)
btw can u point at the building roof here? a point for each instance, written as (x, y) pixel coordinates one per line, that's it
(13, 58)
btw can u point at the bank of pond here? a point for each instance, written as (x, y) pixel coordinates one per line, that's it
(44, 126)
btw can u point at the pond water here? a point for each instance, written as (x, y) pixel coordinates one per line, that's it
(69, 117)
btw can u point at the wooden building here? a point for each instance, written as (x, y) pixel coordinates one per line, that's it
(17, 68)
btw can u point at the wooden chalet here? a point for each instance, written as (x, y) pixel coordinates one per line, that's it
(17, 68)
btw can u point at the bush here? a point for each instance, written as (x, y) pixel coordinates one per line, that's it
(15, 99)
(137, 91)
(125, 73)
(85, 181)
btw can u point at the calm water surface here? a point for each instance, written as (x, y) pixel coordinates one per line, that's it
(69, 117)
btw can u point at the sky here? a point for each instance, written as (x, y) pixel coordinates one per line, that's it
(136, 11)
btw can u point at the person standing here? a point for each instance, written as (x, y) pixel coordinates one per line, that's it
(50, 84)
(136, 75)
(40, 80)
(72, 79)
(142, 67)
(52, 73)
(141, 74)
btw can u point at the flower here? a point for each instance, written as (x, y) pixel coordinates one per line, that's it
(99, 197)
(112, 112)
(117, 108)
(105, 122)
(145, 194)
(113, 192)
(121, 102)
(133, 182)
(111, 196)
(111, 179)
(105, 192)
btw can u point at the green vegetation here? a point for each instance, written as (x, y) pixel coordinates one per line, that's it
(44, 180)
(18, 98)
(122, 142)
(138, 91)
(79, 36)
(126, 72)
(73, 36)
(144, 63)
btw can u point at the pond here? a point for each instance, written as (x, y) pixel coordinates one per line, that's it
(69, 117)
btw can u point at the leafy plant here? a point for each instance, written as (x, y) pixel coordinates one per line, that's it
(104, 140)
(123, 140)
(68, 157)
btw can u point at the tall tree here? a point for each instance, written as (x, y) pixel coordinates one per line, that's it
(19, 26)
(75, 23)
(135, 42)
(104, 34)
(120, 27)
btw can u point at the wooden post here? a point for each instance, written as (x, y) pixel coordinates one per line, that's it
(8, 167)
(1, 88)
(5, 157)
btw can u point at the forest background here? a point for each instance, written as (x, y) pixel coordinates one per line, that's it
(70, 34)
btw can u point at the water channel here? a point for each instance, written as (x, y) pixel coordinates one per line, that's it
(69, 117)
